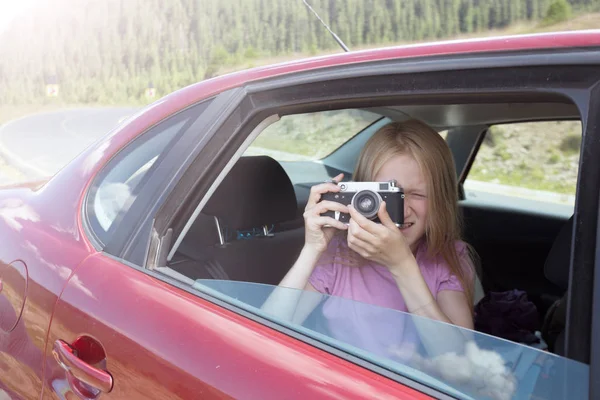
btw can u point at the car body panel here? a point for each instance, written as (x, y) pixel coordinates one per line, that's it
(44, 237)
(162, 342)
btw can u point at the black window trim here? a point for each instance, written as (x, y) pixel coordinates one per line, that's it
(558, 57)
(584, 275)
(137, 221)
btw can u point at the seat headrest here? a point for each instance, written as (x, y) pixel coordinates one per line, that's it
(202, 233)
(256, 192)
(556, 268)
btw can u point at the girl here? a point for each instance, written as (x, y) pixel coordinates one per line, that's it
(423, 268)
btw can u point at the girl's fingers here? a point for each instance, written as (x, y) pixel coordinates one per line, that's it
(363, 248)
(363, 222)
(318, 190)
(385, 218)
(356, 230)
(325, 206)
(328, 221)
(338, 178)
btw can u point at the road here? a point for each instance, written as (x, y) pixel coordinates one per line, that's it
(43, 143)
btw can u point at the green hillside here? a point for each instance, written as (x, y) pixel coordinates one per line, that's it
(109, 51)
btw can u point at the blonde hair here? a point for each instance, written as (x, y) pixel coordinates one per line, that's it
(432, 154)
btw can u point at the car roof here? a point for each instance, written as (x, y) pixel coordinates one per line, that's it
(553, 40)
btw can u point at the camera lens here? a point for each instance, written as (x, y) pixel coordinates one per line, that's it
(367, 203)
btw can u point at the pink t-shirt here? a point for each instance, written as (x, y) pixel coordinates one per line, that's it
(381, 331)
(373, 283)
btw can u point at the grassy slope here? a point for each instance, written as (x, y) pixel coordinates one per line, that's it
(538, 155)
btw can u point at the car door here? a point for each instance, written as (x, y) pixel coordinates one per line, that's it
(38, 253)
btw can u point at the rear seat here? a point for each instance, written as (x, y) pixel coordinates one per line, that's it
(255, 197)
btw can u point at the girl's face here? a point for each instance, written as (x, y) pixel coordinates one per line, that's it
(405, 170)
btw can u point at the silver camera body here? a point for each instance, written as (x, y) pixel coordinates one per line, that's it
(366, 198)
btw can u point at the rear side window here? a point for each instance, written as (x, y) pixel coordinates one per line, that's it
(533, 162)
(116, 187)
(461, 363)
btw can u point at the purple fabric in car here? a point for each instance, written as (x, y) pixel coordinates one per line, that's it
(509, 315)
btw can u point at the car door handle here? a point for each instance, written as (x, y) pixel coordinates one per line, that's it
(80, 371)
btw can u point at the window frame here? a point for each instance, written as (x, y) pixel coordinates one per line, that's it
(584, 266)
(217, 151)
(591, 142)
(90, 220)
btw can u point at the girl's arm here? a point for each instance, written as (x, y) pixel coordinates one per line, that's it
(451, 306)
(288, 301)
(296, 305)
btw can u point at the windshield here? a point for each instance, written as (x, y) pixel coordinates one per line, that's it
(458, 362)
(310, 136)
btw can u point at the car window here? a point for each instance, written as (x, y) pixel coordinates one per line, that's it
(530, 163)
(452, 360)
(311, 136)
(115, 188)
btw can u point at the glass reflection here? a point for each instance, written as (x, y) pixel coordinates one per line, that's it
(453, 360)
(15, 211)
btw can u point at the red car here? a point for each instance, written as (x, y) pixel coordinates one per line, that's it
(139, 270)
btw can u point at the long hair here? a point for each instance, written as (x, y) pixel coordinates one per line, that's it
(432, 154)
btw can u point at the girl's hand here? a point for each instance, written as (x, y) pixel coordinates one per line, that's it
(383, 243)
(317, 234)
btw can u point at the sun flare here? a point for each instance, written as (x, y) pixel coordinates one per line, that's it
(10, 9)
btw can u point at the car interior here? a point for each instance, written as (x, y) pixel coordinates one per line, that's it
(251, 228)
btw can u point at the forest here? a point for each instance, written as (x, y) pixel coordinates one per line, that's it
(110, 51)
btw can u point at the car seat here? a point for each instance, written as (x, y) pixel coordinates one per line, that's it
(236, 236)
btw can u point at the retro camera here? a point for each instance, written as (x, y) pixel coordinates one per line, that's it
(366, 198)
